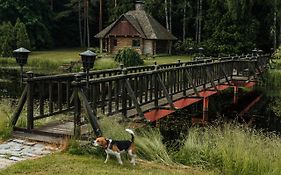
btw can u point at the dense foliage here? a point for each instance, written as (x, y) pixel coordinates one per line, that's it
(13, 37)
(220, 26)
(129, 57)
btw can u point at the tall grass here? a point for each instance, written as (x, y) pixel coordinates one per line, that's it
(5, 116)
(232, 150)
(148, 141)
(273, 78)
(227, 148)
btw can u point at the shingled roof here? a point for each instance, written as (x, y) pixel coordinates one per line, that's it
(144, 23)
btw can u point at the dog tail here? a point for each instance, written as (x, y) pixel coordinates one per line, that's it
(132, 134)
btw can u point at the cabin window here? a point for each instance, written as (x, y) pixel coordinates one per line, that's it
(135, 43)
(114, 42)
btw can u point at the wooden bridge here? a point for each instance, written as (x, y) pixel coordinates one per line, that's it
(145, 93)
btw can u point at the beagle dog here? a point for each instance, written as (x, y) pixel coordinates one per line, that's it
(116, 147)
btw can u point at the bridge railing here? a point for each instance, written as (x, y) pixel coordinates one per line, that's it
(122, 89)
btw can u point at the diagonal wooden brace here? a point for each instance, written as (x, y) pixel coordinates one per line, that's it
(225, 76)
(92, 117)
(259, 70)
(170, 101)
(189, 78)
(210, 77)
(133, 97)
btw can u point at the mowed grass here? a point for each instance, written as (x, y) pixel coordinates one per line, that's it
(52, 61)
(67, 164)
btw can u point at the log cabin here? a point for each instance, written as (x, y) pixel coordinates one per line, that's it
(136, 29)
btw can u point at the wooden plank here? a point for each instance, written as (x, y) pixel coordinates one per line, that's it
(157, 114)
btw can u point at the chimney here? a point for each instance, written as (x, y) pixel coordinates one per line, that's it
(139, 5)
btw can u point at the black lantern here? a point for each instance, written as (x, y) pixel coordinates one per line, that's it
(254, 51)
(190, 50)
(21, 55)
(260, 52)
(271, 51)
(200, 51)
(88, 59)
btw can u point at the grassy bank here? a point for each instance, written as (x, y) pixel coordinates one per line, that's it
(224, 149)
(67, 164)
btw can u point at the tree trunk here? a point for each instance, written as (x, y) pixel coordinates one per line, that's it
(200, 21)
(85, 22)
(166, 15)
(280, 33)
(100, 17)
(196, 22)
(115, 3)
(184, 21)
(80, 23)
(88, 27)
(170, 15)
(275, 26)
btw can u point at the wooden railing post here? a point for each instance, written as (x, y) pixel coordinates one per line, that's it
(124, 93)
(77, 107)
(30, 100)
(156, 87)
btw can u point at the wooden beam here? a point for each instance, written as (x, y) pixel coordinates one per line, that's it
(167, 95)
(189, 78)
(92, 118)
(134, 99)
(19, 107)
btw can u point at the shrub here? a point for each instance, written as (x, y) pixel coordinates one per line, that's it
(182, 47)
(129, 57)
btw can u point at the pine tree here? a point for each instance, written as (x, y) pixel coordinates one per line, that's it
(6, 39)
(22, 39)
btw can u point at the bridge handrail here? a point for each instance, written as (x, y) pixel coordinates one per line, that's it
(116, 71)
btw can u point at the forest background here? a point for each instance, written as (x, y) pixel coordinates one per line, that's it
(219, 26)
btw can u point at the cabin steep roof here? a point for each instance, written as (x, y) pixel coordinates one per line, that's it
(144, 23)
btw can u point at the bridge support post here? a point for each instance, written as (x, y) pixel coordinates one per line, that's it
(235, 94)
(77, 109)
(205, 109)
(30, 100)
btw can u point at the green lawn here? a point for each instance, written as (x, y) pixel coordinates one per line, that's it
(52, 61)
(63, 163)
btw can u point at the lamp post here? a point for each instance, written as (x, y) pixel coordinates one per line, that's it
(254, 52)
(201, 50)
(271, 51)
(190, 50)
(21, 55)
(88, 59)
